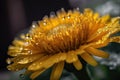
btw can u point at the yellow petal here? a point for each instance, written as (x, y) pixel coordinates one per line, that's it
(105, 18)
(77, 64)
(17, 51)
(97, 52)
(16, 67)
(97, 36)
(115, 39)
(88, 12)
(47, 61)
(96, 15)
(54, 21)
(30, 58)
(37, 65)
(54, 59)
(17, 42)
(36, 74)
(89, 59)
(100, 44)
(57, 71)
(116, 19)
(71, 57)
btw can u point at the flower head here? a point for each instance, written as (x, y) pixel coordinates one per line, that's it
(62, 38)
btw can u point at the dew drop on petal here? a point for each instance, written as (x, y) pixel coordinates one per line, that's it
(33, 25)
(21, 48)
(52, 14)
(9, 61)
(29, 51)
(44, 23)
(63, 18)
(36, 43)
(69, 16)
(26, 43)
(78, 9)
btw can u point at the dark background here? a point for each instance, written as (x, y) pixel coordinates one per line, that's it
(18, 15)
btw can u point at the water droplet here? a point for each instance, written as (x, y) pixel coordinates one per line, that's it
(26, 43)
(22, 76)
(36, 43)
(62, 9)
(52, 14)
(33, 26)
(27, 35)
(69, 16)
(21, 48)
(9, 61)
(22, 36)
(44, 23)
(45, 18)
(63, 18)
(30, 52)
(78, 9)
(98, 31)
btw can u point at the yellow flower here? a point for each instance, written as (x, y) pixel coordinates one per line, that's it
(63, 38)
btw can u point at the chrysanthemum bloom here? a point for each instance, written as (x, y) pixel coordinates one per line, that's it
(62, 38)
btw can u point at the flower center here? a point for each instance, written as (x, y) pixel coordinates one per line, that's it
(64, 38)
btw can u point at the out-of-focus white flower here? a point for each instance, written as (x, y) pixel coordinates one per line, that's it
(109, 7)
(113, 61)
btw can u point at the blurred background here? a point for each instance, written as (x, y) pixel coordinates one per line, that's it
(16, 16)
